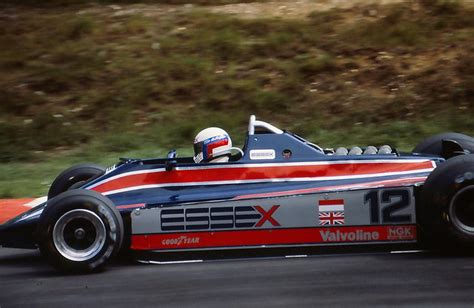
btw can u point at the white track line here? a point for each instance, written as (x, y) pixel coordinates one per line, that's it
(170, 262)
(406, 251)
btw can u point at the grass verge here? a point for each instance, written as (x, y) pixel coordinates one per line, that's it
(87, 82)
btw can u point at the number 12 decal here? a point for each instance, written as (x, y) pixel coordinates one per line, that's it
(401, 199)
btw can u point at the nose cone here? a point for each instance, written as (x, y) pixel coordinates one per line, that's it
(19, 233)
(10, 208)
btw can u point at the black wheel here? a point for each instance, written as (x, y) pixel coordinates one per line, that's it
(79, 231)
(74, 177)
(433, 144)
(446, 213)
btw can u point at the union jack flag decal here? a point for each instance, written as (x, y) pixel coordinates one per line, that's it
(331, 212)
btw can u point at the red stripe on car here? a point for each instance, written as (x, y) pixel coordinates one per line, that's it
(296, 236)
(257, 173)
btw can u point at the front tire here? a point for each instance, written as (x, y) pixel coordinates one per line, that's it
(79, 231)
(74, 177)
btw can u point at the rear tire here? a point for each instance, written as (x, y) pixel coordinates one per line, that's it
(433, 144)
(74, 177)
(446, 213)
(79, 231)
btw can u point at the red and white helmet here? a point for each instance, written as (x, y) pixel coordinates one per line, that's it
(211, 143)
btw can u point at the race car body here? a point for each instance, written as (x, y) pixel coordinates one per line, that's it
(281, 191)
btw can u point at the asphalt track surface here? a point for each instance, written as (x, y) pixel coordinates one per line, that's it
(375, 279)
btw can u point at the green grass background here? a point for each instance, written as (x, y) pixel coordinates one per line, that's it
(94, 86)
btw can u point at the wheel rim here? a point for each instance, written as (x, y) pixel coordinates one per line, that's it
(79, 235)
(462, 209)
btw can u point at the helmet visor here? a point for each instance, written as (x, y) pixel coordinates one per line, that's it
(198, 147)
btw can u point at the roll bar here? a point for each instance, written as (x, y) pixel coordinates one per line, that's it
(253, 123)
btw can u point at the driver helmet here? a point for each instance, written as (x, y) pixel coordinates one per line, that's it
(212, 145)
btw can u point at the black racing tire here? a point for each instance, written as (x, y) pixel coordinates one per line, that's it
(433, 144)
(79, 231)
(446, 212)
(74, 177)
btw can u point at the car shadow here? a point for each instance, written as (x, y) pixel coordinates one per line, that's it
(30, 263)
(19, 257)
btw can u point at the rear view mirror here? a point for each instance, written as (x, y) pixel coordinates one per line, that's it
(170, 165)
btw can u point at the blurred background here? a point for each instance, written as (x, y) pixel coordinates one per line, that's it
(91, 81)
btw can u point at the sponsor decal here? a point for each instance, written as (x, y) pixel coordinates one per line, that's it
(351, 236)
(110, 169)
(401, 233)
(262, 154)
(257, 237)
(267, 216)
(331, 212)
(223, 217)
(177, 241)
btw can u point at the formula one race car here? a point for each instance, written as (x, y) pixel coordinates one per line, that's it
(280, 191)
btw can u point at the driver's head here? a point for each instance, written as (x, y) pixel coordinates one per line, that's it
(212, 145)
